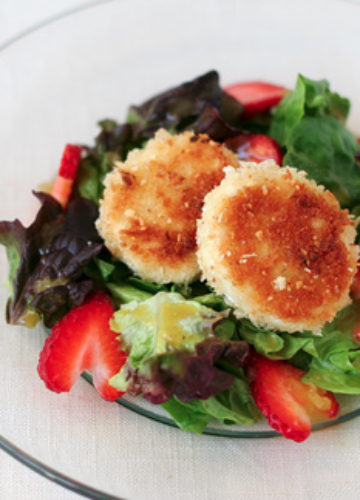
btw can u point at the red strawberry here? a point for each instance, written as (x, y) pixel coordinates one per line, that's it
(356, 333)
(355, 286)
(63, 185)
(256, 97)
(69, 161)
(255, 147)
(82, 340)
(290, 406)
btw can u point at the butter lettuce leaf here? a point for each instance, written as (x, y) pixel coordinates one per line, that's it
(173, 349)
(165, 322)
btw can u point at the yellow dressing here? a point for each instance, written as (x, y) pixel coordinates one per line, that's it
(169, 328)
(144, 314)
(45, 187)
(167, 321)
(30, 318)
(46, 283)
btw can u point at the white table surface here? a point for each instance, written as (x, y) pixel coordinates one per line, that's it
(17, 481)
(326, 467)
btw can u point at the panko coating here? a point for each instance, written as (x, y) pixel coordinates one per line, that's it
(278, 247)
(153, 199)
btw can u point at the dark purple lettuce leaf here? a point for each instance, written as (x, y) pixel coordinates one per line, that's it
(176, 108)
(188, 376)
(118, 138)
(27, 244)
(80, 218)
(210, 122)
(200, 105)
(66, 256)
(55, 302)
(47, 259)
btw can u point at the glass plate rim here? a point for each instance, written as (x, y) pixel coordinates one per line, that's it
(48, 472)
(53, 475)
(50, 20)
(210, 431)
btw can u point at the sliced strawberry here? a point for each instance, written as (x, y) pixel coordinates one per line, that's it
(63, 185)
(256, 97)
(357, 333)
(255, 147)
(83, 340)
(70, 161)
(355, 286)
(290, 405)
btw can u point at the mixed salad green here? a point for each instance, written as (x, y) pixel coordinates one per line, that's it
(185, 348)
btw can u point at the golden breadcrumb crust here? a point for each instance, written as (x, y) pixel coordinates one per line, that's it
(278, 247)
(153, 199)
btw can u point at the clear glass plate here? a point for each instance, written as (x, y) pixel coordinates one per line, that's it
(349, 410)
(57, 81)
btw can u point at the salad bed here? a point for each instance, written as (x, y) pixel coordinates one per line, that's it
(216, 366)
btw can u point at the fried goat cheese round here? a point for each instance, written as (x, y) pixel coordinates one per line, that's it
(152, 201)
(278, 247)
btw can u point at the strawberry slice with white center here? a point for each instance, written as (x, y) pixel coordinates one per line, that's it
(290, 405)
(256, 96)
(63, 184)
(83, 340)
(255, 147)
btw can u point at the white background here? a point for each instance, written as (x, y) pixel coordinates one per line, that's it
(17, 481)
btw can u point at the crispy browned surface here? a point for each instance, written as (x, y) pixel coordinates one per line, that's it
(291, 232)
(151, 205)
(167, 229)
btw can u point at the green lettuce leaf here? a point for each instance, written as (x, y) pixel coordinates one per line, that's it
(173, 349)
(123, 293)
(332, 360)
(12, 236)
(212, 300)
(234, 406)
(189, 416)
(92, 171)
(272, 344)
(335, 365)
(309, 124)
(162, 323)
(309, 98)
(325, 150)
